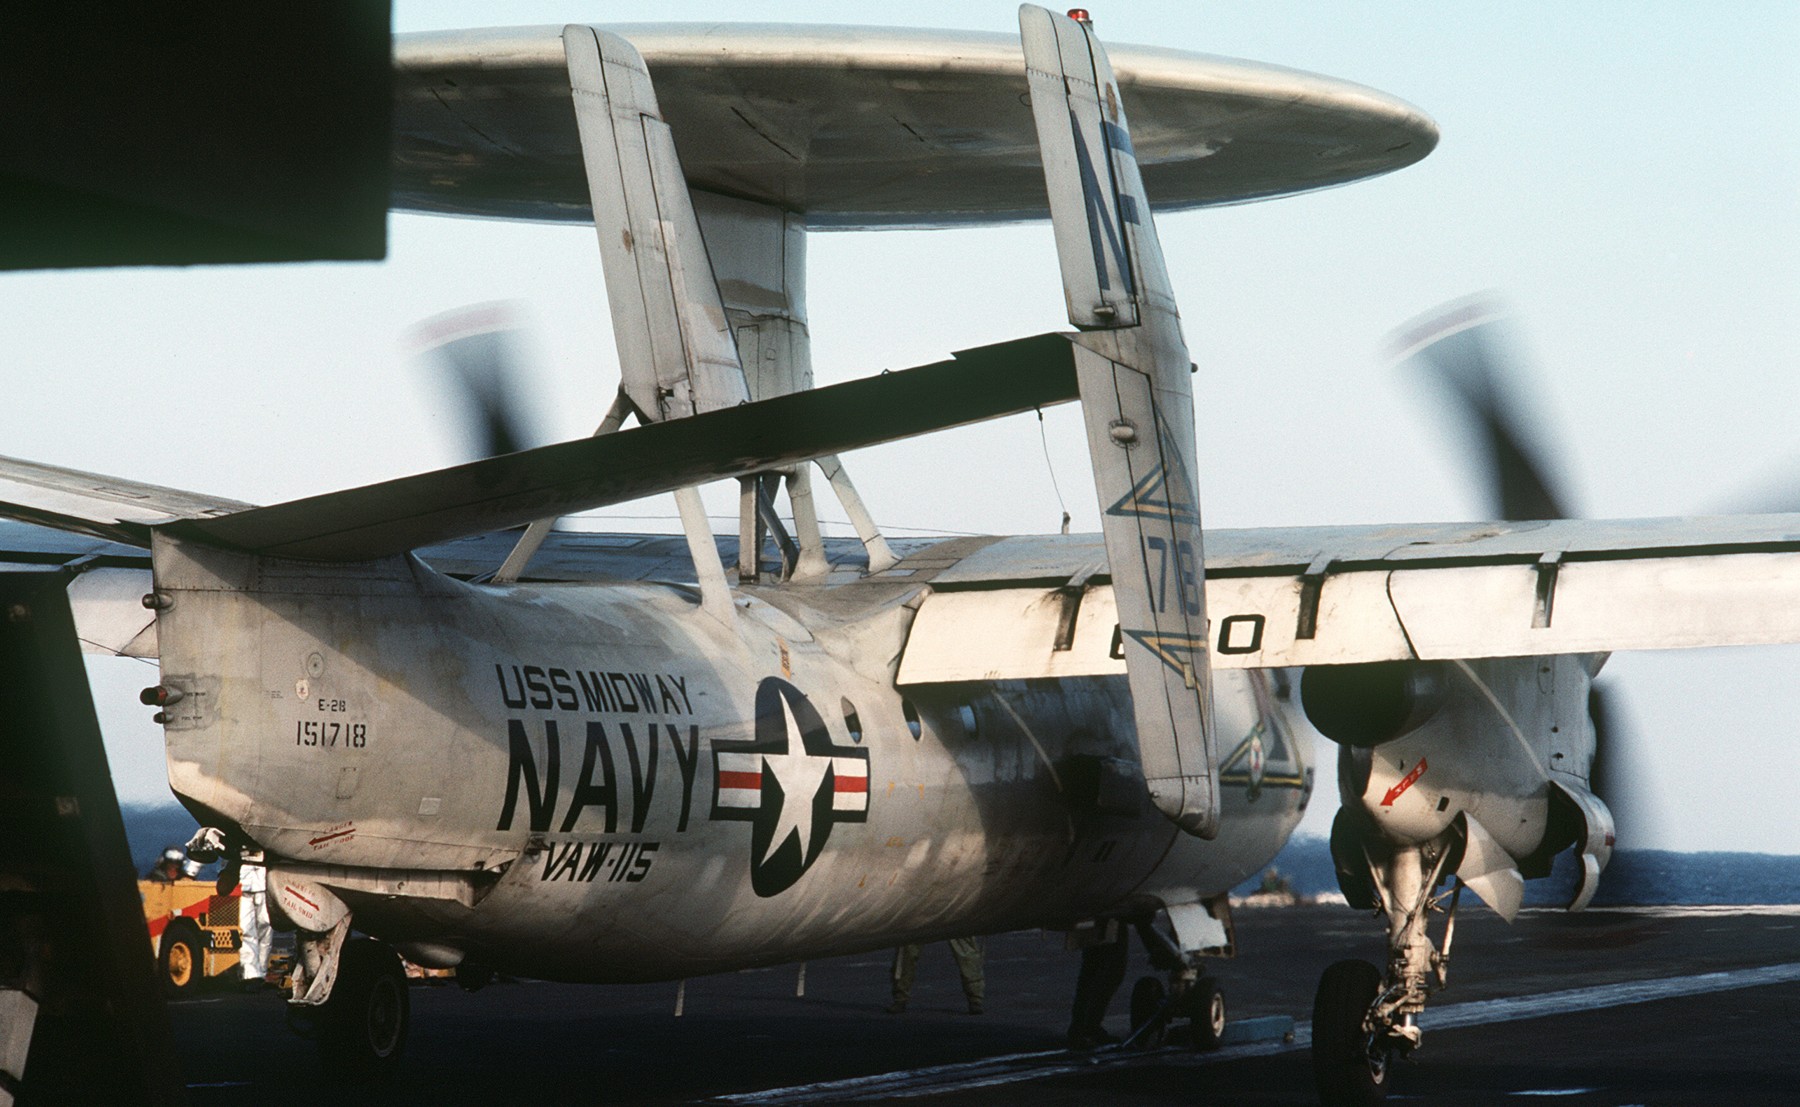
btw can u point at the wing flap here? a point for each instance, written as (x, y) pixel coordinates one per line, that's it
(1590, 607)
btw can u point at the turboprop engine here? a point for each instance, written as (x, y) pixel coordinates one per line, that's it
(1475, 772)
(1486, 761)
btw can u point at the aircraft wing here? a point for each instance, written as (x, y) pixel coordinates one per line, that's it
(1386, 592)
(1345, 595)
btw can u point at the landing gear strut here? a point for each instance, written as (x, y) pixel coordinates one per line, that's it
(1191, 996)
(1362, 1017)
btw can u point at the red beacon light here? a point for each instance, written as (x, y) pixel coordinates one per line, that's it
(159, 695)
(1080, 15)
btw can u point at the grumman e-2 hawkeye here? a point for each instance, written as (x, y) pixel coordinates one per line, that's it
(606, 758)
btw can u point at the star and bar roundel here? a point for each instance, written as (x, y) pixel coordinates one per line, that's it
(790, 783)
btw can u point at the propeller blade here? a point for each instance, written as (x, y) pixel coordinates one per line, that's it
(1458, 346)
(1461, 346)
(475, 348)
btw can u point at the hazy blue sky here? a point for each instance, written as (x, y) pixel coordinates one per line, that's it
(1624, 175)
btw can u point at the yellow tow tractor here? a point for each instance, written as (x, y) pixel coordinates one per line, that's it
(193, 930)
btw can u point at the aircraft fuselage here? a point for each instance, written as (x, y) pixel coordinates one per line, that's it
(601, 782)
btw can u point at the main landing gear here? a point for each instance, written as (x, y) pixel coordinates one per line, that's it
(1189, 1010)
(1363, 1018)
(357, 1012)
(1350, 1060)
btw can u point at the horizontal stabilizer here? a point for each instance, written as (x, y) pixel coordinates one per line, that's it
(404, 514)
(104, 507)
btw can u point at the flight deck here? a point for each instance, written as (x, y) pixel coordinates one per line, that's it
(1621, 1006)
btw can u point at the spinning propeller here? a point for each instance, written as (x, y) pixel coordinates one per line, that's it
(475, 349)
(1460, 346)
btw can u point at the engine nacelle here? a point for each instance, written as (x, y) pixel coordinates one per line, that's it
(1366, 705)
(1489, 757)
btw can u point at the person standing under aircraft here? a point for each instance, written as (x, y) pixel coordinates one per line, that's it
(1102, 971)
(1103, 965)
(967, 952)
(253, 916)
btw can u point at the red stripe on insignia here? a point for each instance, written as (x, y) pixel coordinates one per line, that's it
(851, 784)
(740, 780)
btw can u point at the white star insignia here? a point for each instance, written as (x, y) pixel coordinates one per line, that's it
(801, 776)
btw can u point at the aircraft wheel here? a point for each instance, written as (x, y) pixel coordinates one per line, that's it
(1206, 1007)
(1147, 997)
(181, 958)
(362, 1027)
(1349, 1069)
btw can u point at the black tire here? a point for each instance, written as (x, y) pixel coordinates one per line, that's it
(1147, 997)
(362, 1028)
(181, 958)
(1205, 1005)
(1348, 1073)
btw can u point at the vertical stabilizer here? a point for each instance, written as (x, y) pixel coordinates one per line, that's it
(676, 354)
(1138, 404)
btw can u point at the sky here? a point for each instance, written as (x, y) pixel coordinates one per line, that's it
(1623, 176)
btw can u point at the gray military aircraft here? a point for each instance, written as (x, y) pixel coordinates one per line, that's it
(600, 758)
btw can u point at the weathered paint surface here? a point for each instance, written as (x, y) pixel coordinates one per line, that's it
(598, 782)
